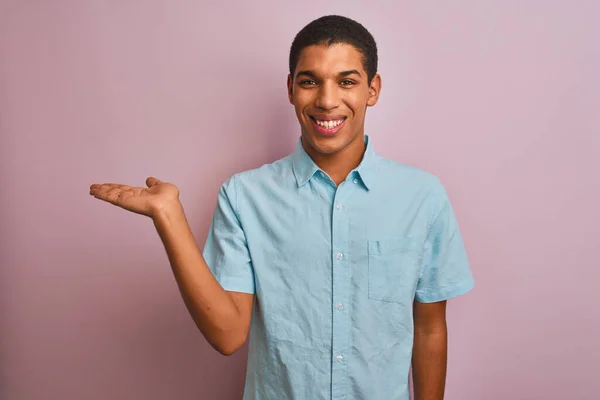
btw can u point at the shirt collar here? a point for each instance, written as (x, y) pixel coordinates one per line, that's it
(305, 168)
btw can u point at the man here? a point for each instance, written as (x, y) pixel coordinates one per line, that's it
(337, 261)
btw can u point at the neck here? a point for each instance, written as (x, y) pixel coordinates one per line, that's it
(339, 164)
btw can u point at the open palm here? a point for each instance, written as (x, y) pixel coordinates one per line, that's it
(145, 201)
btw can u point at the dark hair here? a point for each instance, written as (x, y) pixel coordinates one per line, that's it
(332, 29)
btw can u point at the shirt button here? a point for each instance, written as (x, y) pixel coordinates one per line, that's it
(339, 358)
(322, 174)
(339, 206)
(339, 256)
(340, 306)
(355, 181)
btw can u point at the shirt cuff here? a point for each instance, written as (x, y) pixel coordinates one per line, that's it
(447, 293)
(236, 284)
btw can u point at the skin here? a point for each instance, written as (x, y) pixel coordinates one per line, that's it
(223, 317)
(331, 81)
(321, 86)
(430, 350)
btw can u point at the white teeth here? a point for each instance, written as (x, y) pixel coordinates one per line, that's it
(329, 124)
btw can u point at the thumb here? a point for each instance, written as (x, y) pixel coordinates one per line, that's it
(152, 181)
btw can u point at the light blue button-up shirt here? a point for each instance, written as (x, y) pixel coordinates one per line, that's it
(335, 271)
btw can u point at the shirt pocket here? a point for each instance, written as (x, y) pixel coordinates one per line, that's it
(393, 269)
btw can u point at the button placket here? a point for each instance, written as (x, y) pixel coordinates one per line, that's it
(341, 275)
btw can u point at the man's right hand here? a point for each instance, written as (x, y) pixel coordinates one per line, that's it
(148, 201)
(223, 317)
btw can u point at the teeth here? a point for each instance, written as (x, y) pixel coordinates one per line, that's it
(329, 124)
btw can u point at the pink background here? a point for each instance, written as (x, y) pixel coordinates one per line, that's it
(498, 98)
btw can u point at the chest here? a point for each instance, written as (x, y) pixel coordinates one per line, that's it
(302, 234)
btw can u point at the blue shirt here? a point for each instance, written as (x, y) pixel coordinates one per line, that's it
(334, 270)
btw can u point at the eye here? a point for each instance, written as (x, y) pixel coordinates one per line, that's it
(307, 82)
(347, 82)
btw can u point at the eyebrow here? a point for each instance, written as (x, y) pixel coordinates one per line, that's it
(341, 74)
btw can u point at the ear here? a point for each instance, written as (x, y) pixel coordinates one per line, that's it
(290, 87)
(374, 90)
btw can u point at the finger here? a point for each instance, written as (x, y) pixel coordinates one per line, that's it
(97, 187)
(117, 196)
(104, 186)
(118, 185)
(102, 191)
(110, 192)
(151, 181)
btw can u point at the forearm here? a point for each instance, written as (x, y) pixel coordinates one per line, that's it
(429, 365)
(211, 307)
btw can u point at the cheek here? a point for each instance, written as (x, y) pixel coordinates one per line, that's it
(301, 102)
(299, 108)
(357, 102)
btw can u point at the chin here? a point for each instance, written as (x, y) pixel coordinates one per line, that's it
(327, 145)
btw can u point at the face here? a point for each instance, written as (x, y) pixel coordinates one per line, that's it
(330, 92)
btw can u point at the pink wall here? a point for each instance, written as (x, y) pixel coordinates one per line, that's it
(499, 98)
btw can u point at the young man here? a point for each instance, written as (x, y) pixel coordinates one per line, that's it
(337, 261)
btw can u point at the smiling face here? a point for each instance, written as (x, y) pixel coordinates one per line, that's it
(330, 92)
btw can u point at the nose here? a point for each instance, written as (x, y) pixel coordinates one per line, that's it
(327, 97)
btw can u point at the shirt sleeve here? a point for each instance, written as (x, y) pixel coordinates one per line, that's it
(445, 271)
(226, 248)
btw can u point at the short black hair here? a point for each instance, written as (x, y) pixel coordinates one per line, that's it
(333, 29)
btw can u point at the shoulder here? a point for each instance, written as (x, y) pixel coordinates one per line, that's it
(414, 184)
(264, 174)
(408, 175)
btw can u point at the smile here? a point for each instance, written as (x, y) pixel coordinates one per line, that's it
(328, 127)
